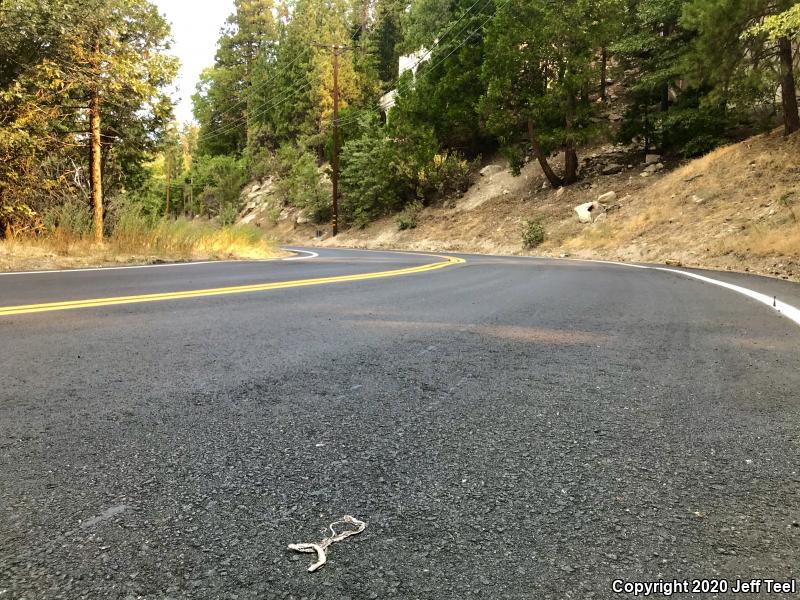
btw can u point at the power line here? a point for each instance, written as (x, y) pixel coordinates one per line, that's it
(440, 61)
(263, 108)
(243, 102)
(449, 29)
(260, 111)
(291, 93)
(283, 69)
(437, 43)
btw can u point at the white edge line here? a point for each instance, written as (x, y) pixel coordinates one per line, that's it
(164, 265)
(787, 310)
(158, 266)
(307, 252)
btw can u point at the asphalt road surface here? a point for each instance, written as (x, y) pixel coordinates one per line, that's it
(509, 428)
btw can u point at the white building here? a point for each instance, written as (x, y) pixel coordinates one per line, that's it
(411, 63)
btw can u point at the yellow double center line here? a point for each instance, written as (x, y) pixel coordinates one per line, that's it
(27, 309)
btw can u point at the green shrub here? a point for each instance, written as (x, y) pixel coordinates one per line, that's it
(388, 168)
(219, 180)
(693, 131)
(273, 216)
(300, 182)
(446, 175)
(515, 154)
(73, 219)
(228, 214)
(533, 233)
(262, 164)
(407, 219)
(371, 178)
(690, 128)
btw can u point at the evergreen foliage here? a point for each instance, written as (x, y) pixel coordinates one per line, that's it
(527, 77)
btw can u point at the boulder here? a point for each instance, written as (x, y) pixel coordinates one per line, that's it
(490, 170)
(586, 212)
(612, 169)
(651, 159)
(654, 168)
(251, 189)
(607, 197)
(302, 219)
(600, 218)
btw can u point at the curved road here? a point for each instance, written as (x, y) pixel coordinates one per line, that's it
(509, 428)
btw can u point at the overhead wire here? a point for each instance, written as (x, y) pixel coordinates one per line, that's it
(268, 104)
(398, 81)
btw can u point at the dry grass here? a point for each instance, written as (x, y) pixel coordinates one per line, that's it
(137, 241)
(184, 239)
(732, 209)
(736, 208)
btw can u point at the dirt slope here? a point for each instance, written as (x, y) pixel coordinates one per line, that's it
(736, 208)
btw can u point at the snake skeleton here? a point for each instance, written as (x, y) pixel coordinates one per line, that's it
(322, 547)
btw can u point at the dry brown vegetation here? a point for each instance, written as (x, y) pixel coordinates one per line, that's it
(736, 208)
(137, 242)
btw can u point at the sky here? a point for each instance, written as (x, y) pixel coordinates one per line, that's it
(195, 30)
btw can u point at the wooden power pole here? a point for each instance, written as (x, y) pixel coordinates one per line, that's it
(96, 154)
(335, 142)
(336, 51)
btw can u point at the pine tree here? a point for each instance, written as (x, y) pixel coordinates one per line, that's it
(224, 102)
(97, 72)
(541, 58)
(739, 61)
(446, 91)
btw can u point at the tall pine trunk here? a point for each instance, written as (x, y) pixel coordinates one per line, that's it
(555, 180)
(791, 118)
(96, 156)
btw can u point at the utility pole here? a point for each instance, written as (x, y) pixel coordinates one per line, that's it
(96, 152)
(335, 142)
(336, 51)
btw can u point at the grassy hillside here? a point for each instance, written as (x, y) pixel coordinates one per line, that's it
(735, 208)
